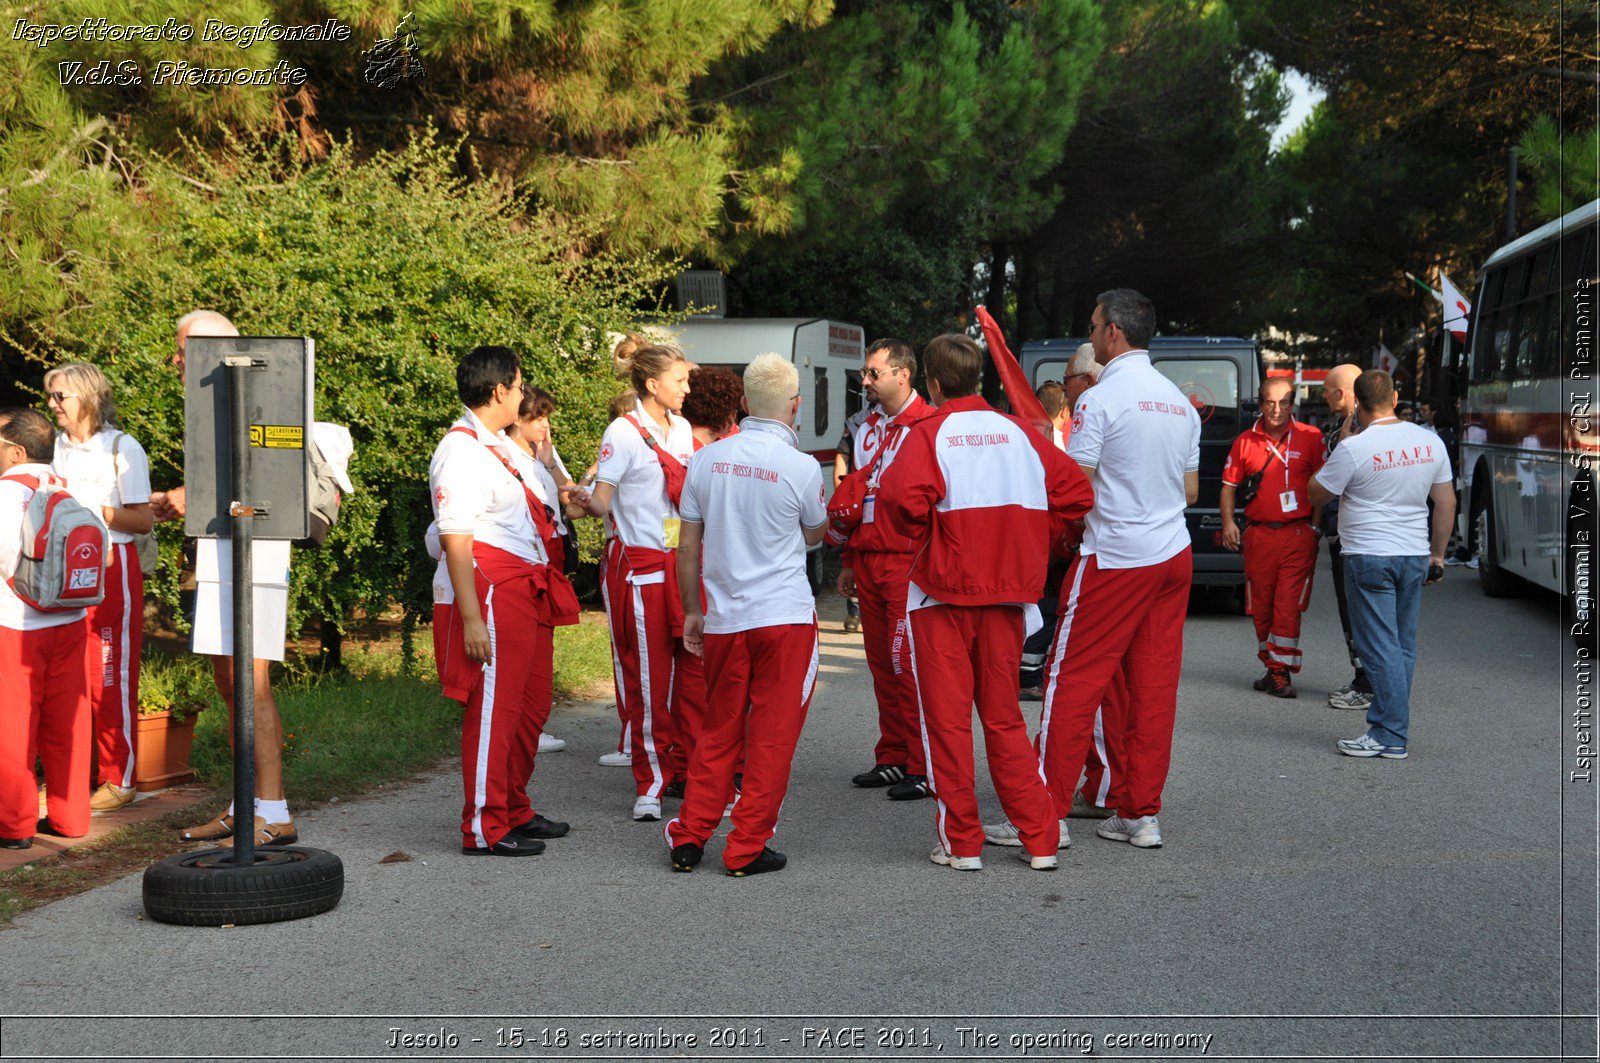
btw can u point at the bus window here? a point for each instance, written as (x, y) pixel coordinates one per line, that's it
(1577, 257)
(1539, 280)
(1527, 342)
(1212, 384)
(1547, 360)
(1500, 353)
(1516, 281)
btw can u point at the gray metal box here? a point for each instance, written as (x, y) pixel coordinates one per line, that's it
(281, 415)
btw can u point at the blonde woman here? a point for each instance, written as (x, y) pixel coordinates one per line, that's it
(643, 461)
(107, 470)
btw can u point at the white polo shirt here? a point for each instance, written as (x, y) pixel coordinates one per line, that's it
(473, 494)
(644, 515)
(1142, 434)
(1383, 478)
(14, 612)
(109, 468)
(754, 492)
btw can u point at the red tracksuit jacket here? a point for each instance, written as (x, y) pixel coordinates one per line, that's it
(981, 499)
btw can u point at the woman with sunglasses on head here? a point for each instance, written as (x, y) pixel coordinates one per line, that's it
(107, 470)
(643, 461)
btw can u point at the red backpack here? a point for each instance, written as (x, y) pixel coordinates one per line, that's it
(65, 548)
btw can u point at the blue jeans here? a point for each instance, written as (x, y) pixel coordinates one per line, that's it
(1385, 594)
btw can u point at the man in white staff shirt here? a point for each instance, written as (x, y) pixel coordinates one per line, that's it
(1384, 478)
(755, 502)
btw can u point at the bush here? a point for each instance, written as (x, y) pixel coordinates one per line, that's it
(396, 266)
(183, 685)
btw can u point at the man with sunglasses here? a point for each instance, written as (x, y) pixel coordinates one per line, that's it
(877, 570)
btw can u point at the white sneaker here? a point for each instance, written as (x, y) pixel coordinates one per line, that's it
(1367, 746)
(1006, 833)
(617, 760)
(1143, 832)
(551, 744)
(961, 863)
(647, 808)
(1040, 863)
(1350, 699)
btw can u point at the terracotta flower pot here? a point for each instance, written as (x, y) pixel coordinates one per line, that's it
(161, 757)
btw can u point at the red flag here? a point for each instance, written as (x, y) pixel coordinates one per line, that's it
(1024, 403)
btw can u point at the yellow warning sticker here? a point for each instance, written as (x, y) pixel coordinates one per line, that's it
(278, 436)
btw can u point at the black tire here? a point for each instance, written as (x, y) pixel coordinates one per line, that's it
(203, 888)
(1495, 581)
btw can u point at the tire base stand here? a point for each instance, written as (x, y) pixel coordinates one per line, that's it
(242, 884)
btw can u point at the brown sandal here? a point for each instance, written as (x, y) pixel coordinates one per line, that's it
(215, 831)
(272, 834)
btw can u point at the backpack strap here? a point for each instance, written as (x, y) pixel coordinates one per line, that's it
(671, 467)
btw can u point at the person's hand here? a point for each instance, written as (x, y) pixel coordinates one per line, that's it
(694, 634)
(575, 497)
(1435, 570)
(847, 582)
(1230, 535)
(545, 453)
(475, 634)
(168, 505)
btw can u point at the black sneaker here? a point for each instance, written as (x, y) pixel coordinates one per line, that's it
(880, 775)
(1031, 694)
(510, 845)
(686, 856)
(769, 860)
(1278, 685)
(538, 827)
(911, 788)
(674, 789)
(1264, 683)
(16, 843)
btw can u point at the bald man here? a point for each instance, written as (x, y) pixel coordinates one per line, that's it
(214, 592)
(1338, 390)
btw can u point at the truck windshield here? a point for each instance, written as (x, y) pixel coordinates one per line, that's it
(1212, 384)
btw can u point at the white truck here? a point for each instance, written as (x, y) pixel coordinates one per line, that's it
(827, 355)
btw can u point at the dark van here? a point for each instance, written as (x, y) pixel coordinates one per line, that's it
(1222, 377)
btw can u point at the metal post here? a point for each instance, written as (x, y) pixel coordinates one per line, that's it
(1511, 194)
(244, 656)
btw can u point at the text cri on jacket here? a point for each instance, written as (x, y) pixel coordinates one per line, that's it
(727, 468)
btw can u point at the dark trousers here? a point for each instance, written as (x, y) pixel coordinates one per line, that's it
(1336, 556)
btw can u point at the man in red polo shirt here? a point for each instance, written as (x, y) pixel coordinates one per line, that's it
(1283, 529)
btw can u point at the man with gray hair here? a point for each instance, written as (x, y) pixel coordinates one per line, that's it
(1338, 390)
(213, 634)
(754, 502)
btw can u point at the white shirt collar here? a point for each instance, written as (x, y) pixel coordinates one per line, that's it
(1139, 356)
(776, 428)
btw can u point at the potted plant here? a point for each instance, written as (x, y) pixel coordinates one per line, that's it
(172, 691)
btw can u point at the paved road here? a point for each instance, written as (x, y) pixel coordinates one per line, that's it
(1295, 882)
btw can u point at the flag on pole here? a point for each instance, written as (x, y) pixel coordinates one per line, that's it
(1457, 311)
(1420, 283)
(1024, 403)
(1383, 359)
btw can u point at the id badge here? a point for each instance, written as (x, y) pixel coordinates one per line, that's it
(867, 506)
(1288, 501)
(669, 532)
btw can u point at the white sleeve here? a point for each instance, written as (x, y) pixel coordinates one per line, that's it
(13, 506)
(1336, 473)
(617, 450)
(133, 471)
(457, 491)
(813, 505)
(1088, 432)
(690, 504)
(1445, 473)
(1194, 444)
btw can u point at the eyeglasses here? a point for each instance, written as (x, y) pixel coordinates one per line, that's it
(518, 386)
(4, 442)
(875, 374)
(61, 396)
(1095, 326)
(1074, 376)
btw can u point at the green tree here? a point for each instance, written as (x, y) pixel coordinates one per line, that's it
(1565, 168)
(397, 266)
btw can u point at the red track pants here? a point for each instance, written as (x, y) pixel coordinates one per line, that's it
(759, 686)
(1102, 769)
(881, 582)
(44, 714)
(1279, 564)
(116, 638)
(663, 684)
(507, 708)
(1120, 619)
(963, 656)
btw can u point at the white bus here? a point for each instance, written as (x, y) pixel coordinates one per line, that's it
(1529, 432)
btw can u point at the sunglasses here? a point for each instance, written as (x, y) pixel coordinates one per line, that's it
(876, 374)
(61, 396)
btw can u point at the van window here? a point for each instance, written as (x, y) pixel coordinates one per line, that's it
(853, 398)
(1212, 384)
(1050, 370)
(819, 403)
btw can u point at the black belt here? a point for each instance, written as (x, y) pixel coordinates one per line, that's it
(1283, 523)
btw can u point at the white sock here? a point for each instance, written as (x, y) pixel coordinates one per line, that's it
(230, 808)
(273, 811)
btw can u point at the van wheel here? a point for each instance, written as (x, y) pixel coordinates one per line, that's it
(1495, 581)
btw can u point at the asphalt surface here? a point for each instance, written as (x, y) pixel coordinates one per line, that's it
(1305, 904)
